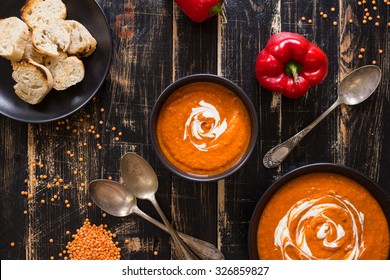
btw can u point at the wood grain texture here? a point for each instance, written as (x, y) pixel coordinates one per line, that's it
(154, 45)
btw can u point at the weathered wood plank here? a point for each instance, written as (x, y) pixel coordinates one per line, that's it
(246, 31)
(194, 51)
(363, 127)
(13, 147)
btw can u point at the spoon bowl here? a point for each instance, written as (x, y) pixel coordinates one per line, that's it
(356, 87)
(112, 197)
(138, 176)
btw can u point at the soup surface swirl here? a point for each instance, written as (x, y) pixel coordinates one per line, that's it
(323, 216)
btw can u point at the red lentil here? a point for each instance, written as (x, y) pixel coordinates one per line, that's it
(92, 243)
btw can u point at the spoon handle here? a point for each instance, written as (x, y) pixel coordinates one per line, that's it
(203, 249)
(277, 154)
(182, 250)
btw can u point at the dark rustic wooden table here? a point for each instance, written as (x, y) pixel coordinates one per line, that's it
(155, 44)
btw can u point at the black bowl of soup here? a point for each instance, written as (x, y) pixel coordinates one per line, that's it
(321, 211)
(203, 127)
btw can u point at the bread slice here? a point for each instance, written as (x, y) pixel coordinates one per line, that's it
(82, 43)
(66, 71)
(30, 52)
(37, 12)
(48, 38)
(13, 38)
(33, 80)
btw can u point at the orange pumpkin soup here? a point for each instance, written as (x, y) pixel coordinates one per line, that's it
(203, 128)
(323, 216)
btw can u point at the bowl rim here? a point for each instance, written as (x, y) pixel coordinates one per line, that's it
(194, 78)
(371, 186)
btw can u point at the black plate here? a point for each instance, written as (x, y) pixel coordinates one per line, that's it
(348, 172)
(59, 104)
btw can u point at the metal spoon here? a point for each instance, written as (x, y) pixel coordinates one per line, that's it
(356, 87)
(115, 199)
(140, 178)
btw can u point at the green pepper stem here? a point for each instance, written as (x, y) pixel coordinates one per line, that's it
(219, 9)
(293, 69)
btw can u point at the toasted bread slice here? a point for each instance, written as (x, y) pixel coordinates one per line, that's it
(31, 52)
(82, 43)
(37, 12)
(66, 71)
(51, 37)
(13, 38)
(33, 80)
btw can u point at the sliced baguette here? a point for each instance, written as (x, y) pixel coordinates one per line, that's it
(82, 43)
(51, 37)
(66, 71)
(13, 38)
(33, 80)
(37, 12)
(31, 52)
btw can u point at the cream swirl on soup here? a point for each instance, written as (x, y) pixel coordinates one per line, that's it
(329, 222)
(204, 122)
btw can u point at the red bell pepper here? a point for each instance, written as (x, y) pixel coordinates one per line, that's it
(290, 64)
(200, 10)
